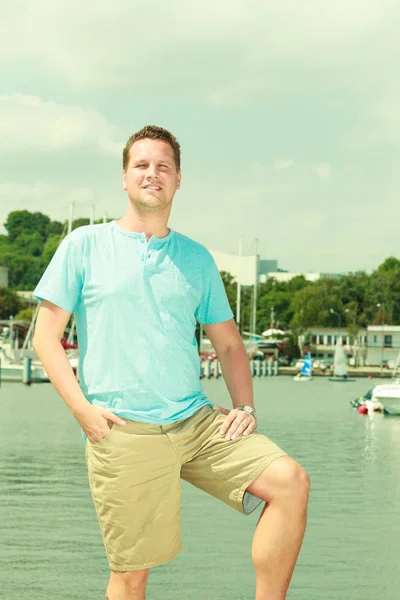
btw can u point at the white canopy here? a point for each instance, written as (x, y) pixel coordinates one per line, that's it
(271, 332)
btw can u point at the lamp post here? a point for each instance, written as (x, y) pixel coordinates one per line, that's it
(333, 312)
(379, 305)
(254, 320)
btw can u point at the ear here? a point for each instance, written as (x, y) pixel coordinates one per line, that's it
(124, 186)
(178, 184)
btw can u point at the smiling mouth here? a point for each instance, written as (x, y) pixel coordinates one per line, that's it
(153, 188)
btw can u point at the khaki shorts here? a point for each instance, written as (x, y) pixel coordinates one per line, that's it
(135, 472)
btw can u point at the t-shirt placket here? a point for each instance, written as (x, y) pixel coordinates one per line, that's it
(144, 253)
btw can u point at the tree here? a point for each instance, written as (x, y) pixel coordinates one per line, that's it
(55, 228)
(312, 305)
(24, 271)
(10, 303)
(49, 249)
(291, 349)
(352, 318)
(4, 242)
(23, 221)
(80, 222)
(297, 283)
(277, 301)
(25, 314)
(230, 288)
(389, 264)
(30, 243)
(385, 291)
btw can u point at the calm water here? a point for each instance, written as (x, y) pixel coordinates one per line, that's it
(50, 542)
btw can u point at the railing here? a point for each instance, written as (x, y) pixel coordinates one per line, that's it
(394, 345)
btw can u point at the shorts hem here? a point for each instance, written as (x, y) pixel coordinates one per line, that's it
(260, 468)
(147, 565)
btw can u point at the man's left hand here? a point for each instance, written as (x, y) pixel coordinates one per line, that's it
(237, 422)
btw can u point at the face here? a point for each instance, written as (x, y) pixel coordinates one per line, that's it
(151, 178)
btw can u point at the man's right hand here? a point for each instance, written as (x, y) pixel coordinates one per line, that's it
(93, 421)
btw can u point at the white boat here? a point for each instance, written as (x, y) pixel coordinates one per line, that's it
(12, 355)
(388, 395)
(306, 370)
(12, 370)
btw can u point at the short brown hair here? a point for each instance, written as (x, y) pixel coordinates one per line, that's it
(153, 132)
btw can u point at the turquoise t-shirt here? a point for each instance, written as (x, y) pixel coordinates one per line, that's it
(136, 303)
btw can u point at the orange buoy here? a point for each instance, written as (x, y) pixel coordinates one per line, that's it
(363, 410)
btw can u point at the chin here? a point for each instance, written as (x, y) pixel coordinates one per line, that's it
(151, 204)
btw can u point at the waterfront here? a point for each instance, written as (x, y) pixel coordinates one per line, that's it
(50, 542)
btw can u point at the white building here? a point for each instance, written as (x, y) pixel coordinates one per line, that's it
(28, 297)
(245, 269)
(383, 344)
(323, 341)
(284, 277)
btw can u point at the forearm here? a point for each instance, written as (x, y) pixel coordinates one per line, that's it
(236, 371)
(59, 370)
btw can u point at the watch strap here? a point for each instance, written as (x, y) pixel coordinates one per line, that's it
(249, 409)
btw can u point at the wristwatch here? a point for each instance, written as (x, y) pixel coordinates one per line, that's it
(248, 409)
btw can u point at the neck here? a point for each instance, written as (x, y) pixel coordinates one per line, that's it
(148, 223)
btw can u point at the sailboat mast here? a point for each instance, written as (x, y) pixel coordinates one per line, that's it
(70, 218)
(239, 289)
(255, 292)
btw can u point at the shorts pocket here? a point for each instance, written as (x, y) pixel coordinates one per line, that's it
(107, 436)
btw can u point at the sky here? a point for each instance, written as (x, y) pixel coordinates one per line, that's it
(288, 115)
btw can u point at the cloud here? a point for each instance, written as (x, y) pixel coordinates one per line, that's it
(323, 171)
(30, 123)
(283, 163)
(226, 51)
(50, 199)
(307, 89)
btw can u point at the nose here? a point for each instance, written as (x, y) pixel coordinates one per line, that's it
(152, 171)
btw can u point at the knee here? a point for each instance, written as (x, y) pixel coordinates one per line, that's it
(133, 582)
(297, 480)
(292, 482)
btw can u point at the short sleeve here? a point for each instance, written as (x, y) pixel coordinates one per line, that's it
(214, 306)
(61, 283)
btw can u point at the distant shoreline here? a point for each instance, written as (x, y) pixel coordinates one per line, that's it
(374, 372)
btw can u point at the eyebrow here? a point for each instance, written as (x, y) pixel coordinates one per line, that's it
(164, 161)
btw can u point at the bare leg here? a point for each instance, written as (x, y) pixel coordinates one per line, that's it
(284, 485)
(127, 585)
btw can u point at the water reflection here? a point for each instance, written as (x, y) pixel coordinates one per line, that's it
(370, 438)
(50, 528)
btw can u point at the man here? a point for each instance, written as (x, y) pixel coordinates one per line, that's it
(137, 288)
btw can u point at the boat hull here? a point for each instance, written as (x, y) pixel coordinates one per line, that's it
(388, 396)
(14, 373)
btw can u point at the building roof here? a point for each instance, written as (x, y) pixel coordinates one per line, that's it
(383, 328)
